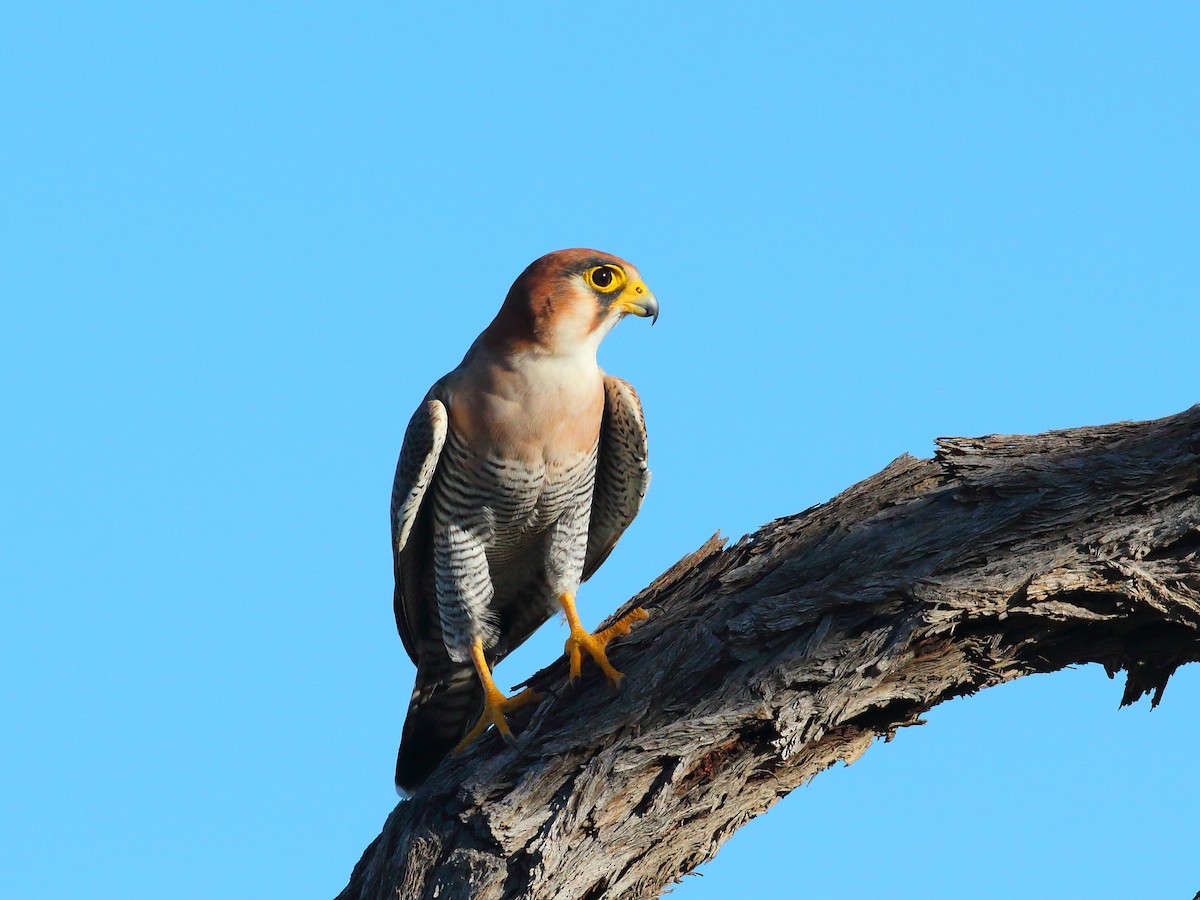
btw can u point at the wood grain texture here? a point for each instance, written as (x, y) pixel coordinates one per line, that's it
(764, 663)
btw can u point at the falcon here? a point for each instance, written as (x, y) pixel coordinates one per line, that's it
(518, 474)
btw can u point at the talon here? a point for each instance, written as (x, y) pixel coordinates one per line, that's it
(495, 704)
(594, 644)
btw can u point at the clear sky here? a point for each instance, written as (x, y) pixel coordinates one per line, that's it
(238, 241)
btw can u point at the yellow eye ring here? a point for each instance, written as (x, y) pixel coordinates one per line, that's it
(605, 279)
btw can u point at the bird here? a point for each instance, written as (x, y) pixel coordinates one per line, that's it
(517, 475)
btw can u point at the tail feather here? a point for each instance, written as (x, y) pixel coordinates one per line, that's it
(446, 700)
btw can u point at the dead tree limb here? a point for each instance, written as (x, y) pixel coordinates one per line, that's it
(765, 663)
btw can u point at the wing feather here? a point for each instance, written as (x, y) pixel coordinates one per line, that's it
(622, 475)
(419, 454)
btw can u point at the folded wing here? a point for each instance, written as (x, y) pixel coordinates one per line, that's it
(622, 475)
(419, 454)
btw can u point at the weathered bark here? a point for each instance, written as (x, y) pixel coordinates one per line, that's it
(765, 663)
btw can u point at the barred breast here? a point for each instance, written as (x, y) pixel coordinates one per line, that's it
(517, 501)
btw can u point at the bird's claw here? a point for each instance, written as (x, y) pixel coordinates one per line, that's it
(594, 644)
(496, 707)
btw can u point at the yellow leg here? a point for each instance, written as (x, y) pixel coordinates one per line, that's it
(594, 644)
(495, 704)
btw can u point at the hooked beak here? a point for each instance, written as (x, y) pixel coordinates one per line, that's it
(637, 299)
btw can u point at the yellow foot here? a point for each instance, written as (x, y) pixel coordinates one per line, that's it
(494, 710)
(594, 644)
(495, 704)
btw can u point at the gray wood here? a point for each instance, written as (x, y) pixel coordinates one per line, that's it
(766, 662)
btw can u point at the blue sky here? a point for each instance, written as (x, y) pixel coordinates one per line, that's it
(239, 241)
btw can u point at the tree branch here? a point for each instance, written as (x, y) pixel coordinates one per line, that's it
(765, 663)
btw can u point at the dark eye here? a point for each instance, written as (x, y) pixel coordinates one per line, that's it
(606, 279)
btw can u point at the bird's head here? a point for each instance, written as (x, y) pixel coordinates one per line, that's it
(566, 301)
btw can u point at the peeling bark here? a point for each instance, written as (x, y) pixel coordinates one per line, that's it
(765, 663)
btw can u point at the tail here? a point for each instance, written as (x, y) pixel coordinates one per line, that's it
(446, 700)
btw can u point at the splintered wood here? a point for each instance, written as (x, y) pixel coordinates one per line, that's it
(767, 662)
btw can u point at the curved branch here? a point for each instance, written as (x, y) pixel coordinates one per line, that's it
(765, 663)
